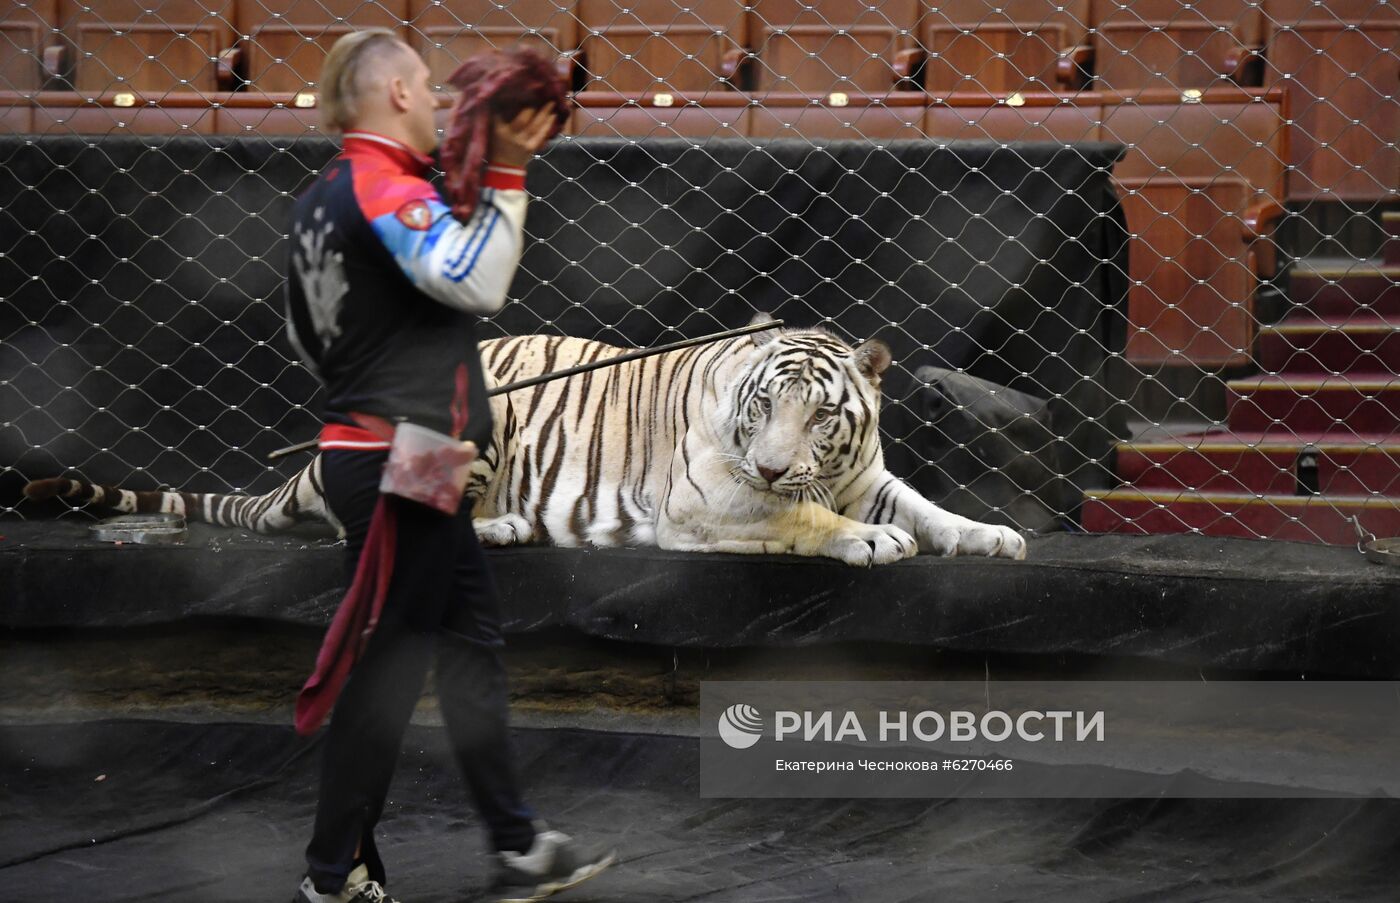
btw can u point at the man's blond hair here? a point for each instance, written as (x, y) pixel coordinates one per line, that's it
(341, 84)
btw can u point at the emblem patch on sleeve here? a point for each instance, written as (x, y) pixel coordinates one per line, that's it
(415, 215)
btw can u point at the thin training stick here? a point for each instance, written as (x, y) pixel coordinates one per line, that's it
(573, 371)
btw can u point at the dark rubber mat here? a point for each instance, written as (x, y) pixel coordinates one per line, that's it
(221, 812)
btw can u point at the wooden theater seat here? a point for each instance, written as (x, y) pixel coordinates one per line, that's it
(113, 113)
(1202, 185)
(1000, 46)
(16, 112)
(1020, 116)
(285, 41)
(1339, 67)
(151, 48)
(30, 52)
(446, 33)
(661, 115)
(814, 48)
(840, 115)
(258, 113)
(1171, 44)
(662, 45)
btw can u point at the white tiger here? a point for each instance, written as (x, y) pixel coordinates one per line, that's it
(766, 443)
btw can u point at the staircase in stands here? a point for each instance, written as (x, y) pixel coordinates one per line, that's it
(1308, 444)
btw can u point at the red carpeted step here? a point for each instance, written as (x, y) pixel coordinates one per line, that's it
(1345, 290)
(1336, 344)
(1231, 462)
(1318, 518)
(1296, 404)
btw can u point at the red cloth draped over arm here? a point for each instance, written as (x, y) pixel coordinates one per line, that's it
(499, 83)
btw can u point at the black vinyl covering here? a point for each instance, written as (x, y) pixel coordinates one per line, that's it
(222, 812)
(141, 285)
(1187, 600)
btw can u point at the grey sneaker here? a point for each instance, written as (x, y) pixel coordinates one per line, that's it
(358, 889)
(553, 863)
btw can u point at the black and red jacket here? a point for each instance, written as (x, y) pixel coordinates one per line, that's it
(385, 287)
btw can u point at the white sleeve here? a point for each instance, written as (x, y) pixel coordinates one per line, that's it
(468, 266)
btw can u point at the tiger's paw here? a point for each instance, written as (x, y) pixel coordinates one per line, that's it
(940, 538)
(993, 542)
(864, 545)
(506, 530)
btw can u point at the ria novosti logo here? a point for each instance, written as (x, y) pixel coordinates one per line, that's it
(740, 726)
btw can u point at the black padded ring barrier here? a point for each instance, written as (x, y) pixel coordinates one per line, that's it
(1199, 601)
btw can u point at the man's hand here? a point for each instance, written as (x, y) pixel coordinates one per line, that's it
(513, 143)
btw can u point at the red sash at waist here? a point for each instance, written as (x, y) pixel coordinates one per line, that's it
(370, 433)
(358, 615)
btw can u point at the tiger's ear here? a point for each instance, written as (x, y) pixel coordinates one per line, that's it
(763, 337)
(873, 359)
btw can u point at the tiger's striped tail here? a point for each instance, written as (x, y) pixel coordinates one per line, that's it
(298, 500)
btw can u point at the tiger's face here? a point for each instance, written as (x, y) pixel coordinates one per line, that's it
(806, 411)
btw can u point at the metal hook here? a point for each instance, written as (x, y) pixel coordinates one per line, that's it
(1363, 536)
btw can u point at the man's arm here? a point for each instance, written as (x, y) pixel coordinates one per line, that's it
(470, 265)
(467, 266)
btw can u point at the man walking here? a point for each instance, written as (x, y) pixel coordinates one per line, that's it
(384, 289)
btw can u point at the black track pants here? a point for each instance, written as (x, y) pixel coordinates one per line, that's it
(441, 596)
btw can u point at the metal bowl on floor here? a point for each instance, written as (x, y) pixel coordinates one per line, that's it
(146, 529)
(1383, 551)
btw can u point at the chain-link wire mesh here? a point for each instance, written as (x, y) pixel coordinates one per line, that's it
(1196, 333)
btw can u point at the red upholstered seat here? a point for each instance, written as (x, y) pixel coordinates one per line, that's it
(663, 45)
(842, 45)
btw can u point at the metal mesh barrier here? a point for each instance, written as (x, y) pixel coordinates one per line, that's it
(1233, 373)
